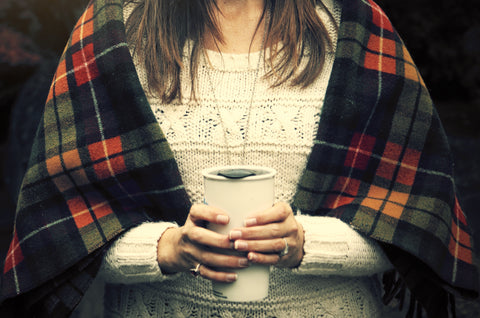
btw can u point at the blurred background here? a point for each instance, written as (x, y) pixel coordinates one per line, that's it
(443, 37)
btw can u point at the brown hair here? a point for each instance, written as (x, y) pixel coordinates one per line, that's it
(160, 28)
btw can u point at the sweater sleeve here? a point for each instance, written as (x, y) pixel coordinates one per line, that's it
(132, 258)
(332, 247)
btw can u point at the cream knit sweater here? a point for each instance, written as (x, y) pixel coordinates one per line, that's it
(337, 277)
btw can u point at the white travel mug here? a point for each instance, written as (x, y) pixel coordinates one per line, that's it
(240, 191)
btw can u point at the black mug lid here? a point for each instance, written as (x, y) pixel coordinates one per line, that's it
(236, 173)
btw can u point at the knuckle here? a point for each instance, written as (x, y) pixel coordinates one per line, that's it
(232, 262)
(203, 260)
(213, 275)
(271, 259)
(194, 209)
(286, 208)
(294, 228)
(275, 230)
(184, 237)
(284, 213)
(195, 234)
(189, 250)
(278, 245)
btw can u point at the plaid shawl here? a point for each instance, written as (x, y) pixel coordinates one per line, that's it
(100, 164)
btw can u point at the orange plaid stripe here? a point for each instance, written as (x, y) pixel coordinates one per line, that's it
(389, 160)
(408, 167)
(381, 63)
(80, 212)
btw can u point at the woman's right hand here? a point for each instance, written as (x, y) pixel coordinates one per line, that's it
(181, 249)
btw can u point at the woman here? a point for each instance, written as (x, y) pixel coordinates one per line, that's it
(324, 92)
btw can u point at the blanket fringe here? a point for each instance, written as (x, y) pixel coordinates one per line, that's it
(396, 289)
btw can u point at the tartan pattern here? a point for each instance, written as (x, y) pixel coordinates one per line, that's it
(381, 160)
(100, 163)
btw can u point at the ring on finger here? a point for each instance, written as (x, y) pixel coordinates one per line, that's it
(196, 270)
(285, 250)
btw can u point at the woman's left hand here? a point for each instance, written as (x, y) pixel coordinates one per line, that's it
(266, 234)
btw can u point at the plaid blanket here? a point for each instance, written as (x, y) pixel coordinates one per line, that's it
(100, 164)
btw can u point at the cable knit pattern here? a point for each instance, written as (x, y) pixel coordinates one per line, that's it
(334, 279)
(282, 124)
(336, 297)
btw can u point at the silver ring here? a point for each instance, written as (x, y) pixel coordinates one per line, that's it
(285, 250)
(195, 271)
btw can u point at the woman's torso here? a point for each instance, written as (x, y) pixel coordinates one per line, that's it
(238, 119)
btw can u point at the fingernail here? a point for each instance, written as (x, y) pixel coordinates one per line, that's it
(235, 235)
(231, 277)
(241, 245)
(223, 219)
(243, 262)
(250, 222)
(252, 257)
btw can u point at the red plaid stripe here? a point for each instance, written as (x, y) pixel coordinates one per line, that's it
(379, 18)
(83, 61)
(455, 247)
(459, 213)
(107, 152)
(347, 185)
(383, 45)
(84, 27)
(85, 65)
(460, 245)
(360, 151)
(14, 254)
(390, 160)
(343, 186)
(382, 51)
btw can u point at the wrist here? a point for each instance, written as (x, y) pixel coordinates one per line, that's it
(301, 250)
(166, 251)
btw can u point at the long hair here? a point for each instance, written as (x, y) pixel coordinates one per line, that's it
(159, 29)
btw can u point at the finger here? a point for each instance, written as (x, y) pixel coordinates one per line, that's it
(217, 260)
(265, 259)
(277, 213)
(263, 232)
(204, 213)
(202, 236)
(208, 273)
(262, 246)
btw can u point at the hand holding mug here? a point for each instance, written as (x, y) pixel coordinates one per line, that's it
(269, 233)
(183, 249)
